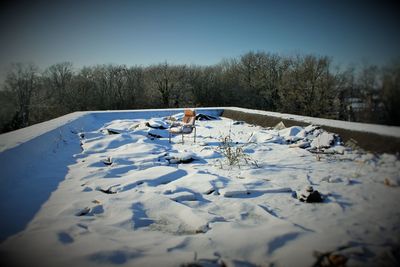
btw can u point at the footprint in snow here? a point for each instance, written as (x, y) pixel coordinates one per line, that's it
(65, 238)
(87, 189)
(73, 233)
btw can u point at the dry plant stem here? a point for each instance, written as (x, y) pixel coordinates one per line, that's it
(233, 153)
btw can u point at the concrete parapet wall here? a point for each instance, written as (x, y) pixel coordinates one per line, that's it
(373, 142)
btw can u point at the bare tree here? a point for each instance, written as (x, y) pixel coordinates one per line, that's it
(308, 87)
(118, 85)
(58, 77)
(135, 87)
(270, 75)
(368, 88)
(247, 68)
(205, 85)
(7, 111)
(232, 93)
(391, 93)
(83, 93)
(344, 84)
(22, 80)
(304, 84)
(167, 80)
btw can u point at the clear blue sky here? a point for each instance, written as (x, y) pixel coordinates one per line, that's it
(194, 32)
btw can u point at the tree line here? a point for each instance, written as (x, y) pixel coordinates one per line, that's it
(302, 84)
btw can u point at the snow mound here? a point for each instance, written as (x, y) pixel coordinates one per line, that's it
(324, 140)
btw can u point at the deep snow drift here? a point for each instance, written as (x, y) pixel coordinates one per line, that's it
(102, 191)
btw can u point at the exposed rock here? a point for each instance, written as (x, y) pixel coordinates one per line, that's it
(183, 196)
(112, 131)
(353, 144)
(280, 126)
(109, 190)
(310, 195)
(108, 161)
(300, 144)
(83, 211)
(330, 259)
(324, 140)
(176, 158)
(310, 128)
(388, 181)
(156, 124)
(204, 117)
(154, 135)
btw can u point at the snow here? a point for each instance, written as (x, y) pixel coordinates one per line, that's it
(323, 140)
(75, 193)
(15, 138)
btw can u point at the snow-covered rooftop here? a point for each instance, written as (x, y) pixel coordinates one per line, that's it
(94, 188)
